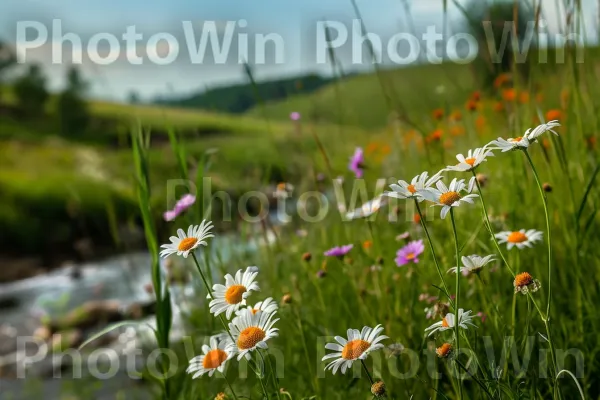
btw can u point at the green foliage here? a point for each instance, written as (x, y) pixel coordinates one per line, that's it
(71, 107)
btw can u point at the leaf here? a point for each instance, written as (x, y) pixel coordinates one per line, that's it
(110, 329)
(587, 192)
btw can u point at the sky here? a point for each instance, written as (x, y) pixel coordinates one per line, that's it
(295, 22)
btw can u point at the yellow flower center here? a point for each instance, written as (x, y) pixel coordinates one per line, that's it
(412, 189)
(444, 350)
(445, 323)
(470, 161)
(214, 358)
(234, 294)
(516, 237)
(254, 311)
(523, 279)
(354, 349)
(410, 256)
(187, 244)
(449, 198)
(249, 337)
(517, 139)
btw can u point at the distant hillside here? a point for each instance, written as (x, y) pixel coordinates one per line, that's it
(242, 97)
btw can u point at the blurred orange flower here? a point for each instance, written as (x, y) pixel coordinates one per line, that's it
(524, 97)
(539, 97)
(371, 148)
(591, 142)
(456, 116)
(564, 98)
(551, 115)
(367, 244)
(498, 106)
(416, 218)
(501, 80)
(437, 114)
(476, 95)
(509, 95)
(546, 143)
(435, 136)
(480, 122)
(471, 105)
(457, 130)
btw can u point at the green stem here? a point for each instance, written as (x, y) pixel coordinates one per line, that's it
(259, 374)
(367, 372)
(230, 387)
(211, 296)
(435, 259)
(457, 300)
(485, 389)
(275, 380)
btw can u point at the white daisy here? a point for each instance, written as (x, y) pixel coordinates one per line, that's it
(369, 208)
(269, 305)
(183, 244)
(473, 264)
(405, 190)
(518, 143)
(449, 196)
(521, 238)
(539, 130)
(473, 159)
(214, 358)
(448, 322)
(251, 331)
(357, 347)
(230, 297)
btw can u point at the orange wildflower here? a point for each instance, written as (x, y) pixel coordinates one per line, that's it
(437, 114)
(501, 80)
(476, 95)
(472, 105)
(524, 97)
(509, 95)
(551, 115)
(435, 136)
(498, 106)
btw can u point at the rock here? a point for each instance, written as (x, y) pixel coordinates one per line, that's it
(66, 340)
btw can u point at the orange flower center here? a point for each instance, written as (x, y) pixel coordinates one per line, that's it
(410, 256)
(249, 337)
(187, 243)
(516, 237)
(234, 294)
(523, 279)
(470, 161)
(412, 189)
(445, 323)
(254, 311)
(449, 198)
(444, 350)
(517, 139)
(354, 349)
(214, 359)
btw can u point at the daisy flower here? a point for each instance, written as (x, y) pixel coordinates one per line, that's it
(539, 130)
(369, 208)
(473, 159)
(473, 264)
(521, 238)
(357, 347)
(251, 331)
(214, 358)
(357, 163)
(448, 322)
(405, 190)
(410, 253)
(183, 244)
(518, 143)
(339, 251)
(449, 196)
(230, 297)
(269, 305)
(525, 283)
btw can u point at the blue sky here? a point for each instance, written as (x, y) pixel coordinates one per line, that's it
(295, 22)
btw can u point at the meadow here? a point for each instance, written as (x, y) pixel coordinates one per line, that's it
(436, 113)
(529, 326)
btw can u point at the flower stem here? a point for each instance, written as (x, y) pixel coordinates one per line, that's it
(230, 387)
(485, 389)
(211, 296)
(457, 300)
(275, 380)
(435, 259)
(367, 371)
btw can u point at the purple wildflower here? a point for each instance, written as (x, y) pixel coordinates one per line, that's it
(410, 253)
(357, 162)
(339, 251)
(295, 116)
(182, 204)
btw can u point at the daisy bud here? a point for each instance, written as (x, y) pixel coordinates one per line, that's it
(444, 351)
(321, 273)
(221, 396)
(306, 257)
(525, 283)
(482, 179)
(286, 299)
(378, 389)
(547, 187)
